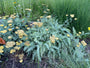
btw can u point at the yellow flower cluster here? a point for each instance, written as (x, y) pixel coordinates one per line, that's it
(4, 31)
(48, 16)
(1, 25)
(16, 48)
(10, 21)
(10, 29)
(13, 16)
(20, 56)
(18, 43)
(80, 32)
(20, 33)
(27, 43)
(53, 38)
(48, 9)
(44, 12)
(84, 43)
(1, 49)
(66, 15)
(72, 15)
(12, 50)
(9, 37)
(88, 28)
(39, 24)
(41, 16)
(10, 44)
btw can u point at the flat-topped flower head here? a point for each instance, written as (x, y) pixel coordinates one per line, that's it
(10, 44)
(48, 16)
(10, 21)
(72, 15)
(84, 43)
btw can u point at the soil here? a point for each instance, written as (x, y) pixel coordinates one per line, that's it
(13, 62)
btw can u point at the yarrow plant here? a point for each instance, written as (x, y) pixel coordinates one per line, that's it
(45, 38)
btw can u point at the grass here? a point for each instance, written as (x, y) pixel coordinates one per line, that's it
(80, 8)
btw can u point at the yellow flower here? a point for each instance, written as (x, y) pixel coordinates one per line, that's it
(35, 23)
(78, 45)
(48, 16)
(12, 16)
(27, 43)
(68, 35)
(40, 24)
(21, 56)
(5, 27)
(9, 37)
(10, 21)
(38, 19)
(20, 41)
(9, 24)
(16, 48)
(21, 36)
(1, 51)
(84, 43)
(88, 28)
(26, 25)
(12, 50)
(4, 17)
(80, 33)
(1, 47)
(28, 28)
(41, 16)
(44, 12)
(52, 39)
(4, 31)
(66, 14)
(72, 15)
(21, 61)
(0, 17)
(1, 25)
(28, 9)
(15, 32)
(48, 9)
(10, 44)
(17, 43)
(75, 18)
(56, 38)
(10, 29)
(14, 2)
(17, 27)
